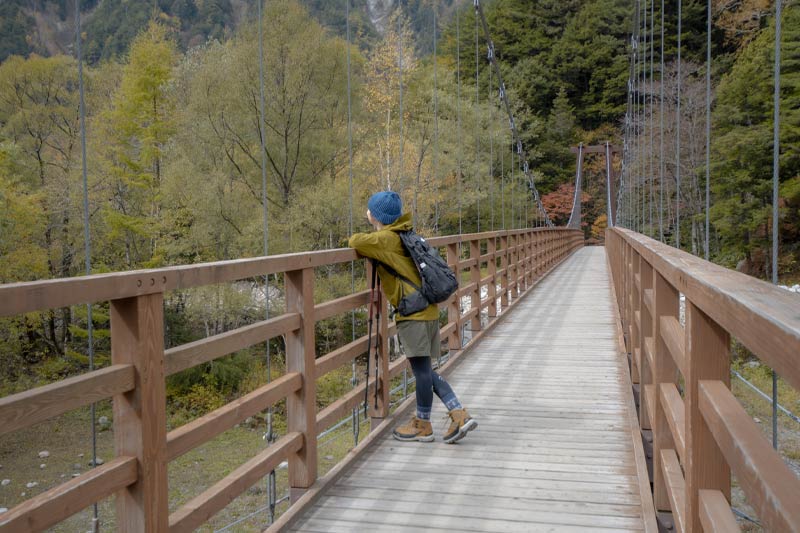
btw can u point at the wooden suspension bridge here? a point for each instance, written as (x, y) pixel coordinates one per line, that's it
(576, 337)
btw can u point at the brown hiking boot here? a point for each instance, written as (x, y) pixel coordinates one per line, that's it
(461, 424)
(416, 429)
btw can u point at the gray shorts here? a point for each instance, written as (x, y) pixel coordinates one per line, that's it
(420, 338)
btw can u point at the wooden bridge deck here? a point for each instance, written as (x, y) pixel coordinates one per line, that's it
(557, 447)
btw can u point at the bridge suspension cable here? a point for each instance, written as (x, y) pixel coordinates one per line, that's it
(87, 240)
(523, 156)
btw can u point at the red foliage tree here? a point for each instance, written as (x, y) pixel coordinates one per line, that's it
(559, 203)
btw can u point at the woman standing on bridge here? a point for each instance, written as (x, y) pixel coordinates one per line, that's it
(418, 332)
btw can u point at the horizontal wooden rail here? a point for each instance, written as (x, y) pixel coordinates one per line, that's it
(51, 507)
(341, 407)
(673, 336)
(715, 513)
(340, 305)
(27, 408)
(340, 356)
(203, 429)
(771, 488)
(675, 413)
(397, 366)
(204, 350)
(676, 487)
(214, 499)
(761, 316)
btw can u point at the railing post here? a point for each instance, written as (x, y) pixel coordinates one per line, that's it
(140, 419)
(707, 348)
(301, 405)
(635, 300)
(512, 266)
(646, 341)
(665, 302)
(454, 304)
(504, 266)
(491, 250)
(529, 259)
(475, 277)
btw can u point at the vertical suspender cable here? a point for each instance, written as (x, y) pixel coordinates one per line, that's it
(661, 137)
(678, 139)
(435, 123)
(609, 211)
(400, 184)
(477, 123)
(776, 128)
(652, 119)
(269, 436)
(354, 377)
(87, 243)
(491, 143)
(458, 114)
(503, 187)
(708, 126)
(645, 155)
(637, 90)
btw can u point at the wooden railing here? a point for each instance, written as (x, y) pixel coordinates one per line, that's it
(136, 378)
(701, 433)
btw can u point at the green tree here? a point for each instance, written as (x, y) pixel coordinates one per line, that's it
(742, 147)
(134, 131)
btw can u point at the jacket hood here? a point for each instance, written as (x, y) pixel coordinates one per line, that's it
(403, 223)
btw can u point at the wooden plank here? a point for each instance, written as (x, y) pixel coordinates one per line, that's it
(484, 512)
(676, 488)
(675, 414)
(396, 367)
(201, 508)
(203, 350)
(447, 494)
(343, 406)
(25, 409)
(51, 507)
(647, 299)
(404, 518)
(140, 416)
(673, 336)
(758, 314)
(650, 351)
(707, 348)
(208, 426)
(19, 298)
(340, 356)
(715, 513)
(341, 305)
(300, 355)
(650, 403)
(771, 487)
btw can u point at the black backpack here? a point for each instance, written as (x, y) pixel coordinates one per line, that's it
(439, 282)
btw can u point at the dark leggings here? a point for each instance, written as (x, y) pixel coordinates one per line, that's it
(429, 382)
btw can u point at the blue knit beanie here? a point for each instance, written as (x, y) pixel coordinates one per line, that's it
(385, 206)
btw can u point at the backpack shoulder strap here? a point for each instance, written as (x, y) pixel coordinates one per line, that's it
(396, 274)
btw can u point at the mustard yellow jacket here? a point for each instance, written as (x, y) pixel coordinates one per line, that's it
(385, 246)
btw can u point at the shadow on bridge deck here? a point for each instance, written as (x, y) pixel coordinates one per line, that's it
(557, 448)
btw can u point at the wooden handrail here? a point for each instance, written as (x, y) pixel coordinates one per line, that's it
(136, 380)
(203, 429)
(197, 352)
(708, 428)
(27, 408)
(51, 507)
